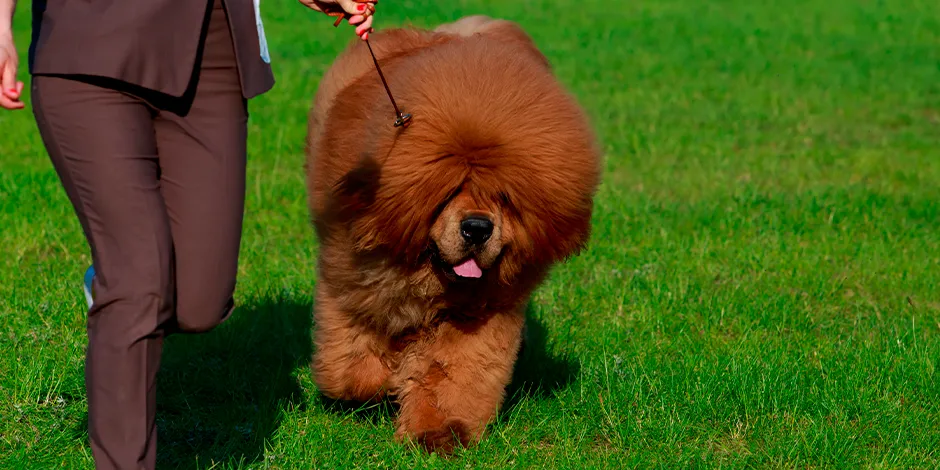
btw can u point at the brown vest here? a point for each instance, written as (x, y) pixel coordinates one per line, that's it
(148, 43)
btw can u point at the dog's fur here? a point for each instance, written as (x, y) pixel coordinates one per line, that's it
(495, 136)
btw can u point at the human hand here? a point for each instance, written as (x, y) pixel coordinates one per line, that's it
(358, 12)
(10, 89)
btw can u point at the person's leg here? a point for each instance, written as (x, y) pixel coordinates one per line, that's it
(202, 155)
(102, 145)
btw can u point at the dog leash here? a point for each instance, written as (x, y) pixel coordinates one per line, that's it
(401, 119)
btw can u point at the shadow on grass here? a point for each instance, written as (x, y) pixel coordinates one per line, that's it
(538, 374)
(371, 413)
(222, 394)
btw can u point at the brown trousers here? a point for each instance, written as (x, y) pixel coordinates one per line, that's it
(158, 185)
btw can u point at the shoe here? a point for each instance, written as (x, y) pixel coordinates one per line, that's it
(86, 285)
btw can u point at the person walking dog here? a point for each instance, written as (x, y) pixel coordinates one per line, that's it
(142, 108)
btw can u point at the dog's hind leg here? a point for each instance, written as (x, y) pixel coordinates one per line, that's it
(452, 382)
(349, 358)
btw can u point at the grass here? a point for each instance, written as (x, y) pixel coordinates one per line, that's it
(762, 288)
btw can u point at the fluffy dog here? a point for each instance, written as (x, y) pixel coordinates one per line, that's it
(433, 236)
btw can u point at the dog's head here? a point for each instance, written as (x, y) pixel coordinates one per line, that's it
(496, 174)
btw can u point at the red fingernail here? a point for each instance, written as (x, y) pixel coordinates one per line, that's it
(365, 36)
(360, 7)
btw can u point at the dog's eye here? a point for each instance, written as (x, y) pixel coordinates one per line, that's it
(443, 204)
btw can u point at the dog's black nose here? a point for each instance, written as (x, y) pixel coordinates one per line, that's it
(476, 230)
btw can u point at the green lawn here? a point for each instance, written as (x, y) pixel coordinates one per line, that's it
(762, 287)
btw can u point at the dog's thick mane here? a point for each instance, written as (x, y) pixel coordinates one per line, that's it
(487, 111)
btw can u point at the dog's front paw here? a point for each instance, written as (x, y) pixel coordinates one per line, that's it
(361, 380)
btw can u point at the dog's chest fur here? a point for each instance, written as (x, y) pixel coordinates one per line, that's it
(389, 299)
(392, 300)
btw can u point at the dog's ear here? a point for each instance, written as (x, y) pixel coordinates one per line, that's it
(350, 201)
(510, 32)
(498, 29)
(355, 191)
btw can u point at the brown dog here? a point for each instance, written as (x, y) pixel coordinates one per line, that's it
(433, 237)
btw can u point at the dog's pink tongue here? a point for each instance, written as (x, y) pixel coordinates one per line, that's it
(468, 268)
